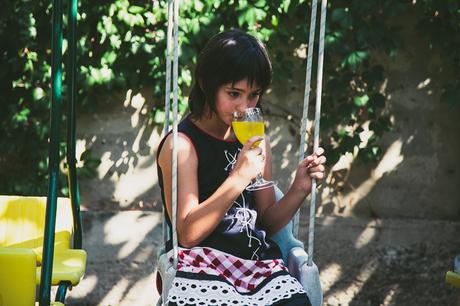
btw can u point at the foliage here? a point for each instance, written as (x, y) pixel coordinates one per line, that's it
(122, 45)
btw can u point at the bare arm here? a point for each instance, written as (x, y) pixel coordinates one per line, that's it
(275, 215)
(195, 221)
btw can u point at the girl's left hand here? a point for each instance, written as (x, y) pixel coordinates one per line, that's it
(312, 167)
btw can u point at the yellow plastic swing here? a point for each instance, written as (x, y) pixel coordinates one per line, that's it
(22, 225)
(453, 277)
(35, 232)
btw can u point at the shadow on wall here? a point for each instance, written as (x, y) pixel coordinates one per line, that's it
(124, 139)
(419, 174)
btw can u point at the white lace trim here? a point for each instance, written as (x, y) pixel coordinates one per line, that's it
(207, 292)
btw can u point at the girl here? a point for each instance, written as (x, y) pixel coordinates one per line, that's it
(225, 255)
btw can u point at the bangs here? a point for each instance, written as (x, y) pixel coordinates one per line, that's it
(241, 57)
(252, 65)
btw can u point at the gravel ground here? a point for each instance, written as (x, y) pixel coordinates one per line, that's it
(386, 262)
(362, 262)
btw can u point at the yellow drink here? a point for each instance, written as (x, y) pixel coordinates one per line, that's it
(244, 130)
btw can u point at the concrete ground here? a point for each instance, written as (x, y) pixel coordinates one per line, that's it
(362, 262)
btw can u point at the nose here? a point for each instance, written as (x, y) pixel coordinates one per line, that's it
(240, 108)
(243, 104)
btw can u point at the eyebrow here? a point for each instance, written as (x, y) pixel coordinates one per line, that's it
(242, 90)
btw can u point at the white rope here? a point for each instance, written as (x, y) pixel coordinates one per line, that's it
(175, 124)
(319, 89)
(169, 41)
(306, 100)
(166, 126)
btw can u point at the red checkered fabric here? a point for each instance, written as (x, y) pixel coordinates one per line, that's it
(244, 274)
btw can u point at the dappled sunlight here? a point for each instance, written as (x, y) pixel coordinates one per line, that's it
(390, 161)
(147, 252)
(146, 285)
(129, 230)
(391, 294)
(125, 144)
(137, 141)
(116, 293)
(287, 152)
(330, 275)
(85, 287)
(275, 136)
(144, 179)
(367, 235)
(106, 164)
(137, 103)
(424, 83)
(346, 294)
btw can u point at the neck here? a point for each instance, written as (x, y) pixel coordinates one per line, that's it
(214, 126)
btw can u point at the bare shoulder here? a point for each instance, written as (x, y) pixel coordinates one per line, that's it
(185, 150)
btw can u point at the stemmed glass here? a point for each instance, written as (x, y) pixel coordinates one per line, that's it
(246, 125)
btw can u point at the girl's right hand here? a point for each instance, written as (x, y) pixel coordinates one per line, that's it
(251, 159)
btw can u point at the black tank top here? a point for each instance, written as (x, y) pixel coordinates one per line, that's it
(238, 232)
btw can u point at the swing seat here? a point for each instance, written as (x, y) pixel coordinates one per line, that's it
(292, 251)
(22, 226)
(453, 277)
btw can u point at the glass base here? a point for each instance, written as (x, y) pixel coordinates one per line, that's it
(258, 185)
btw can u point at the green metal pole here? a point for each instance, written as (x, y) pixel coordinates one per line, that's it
(71, 125)
(53, 170)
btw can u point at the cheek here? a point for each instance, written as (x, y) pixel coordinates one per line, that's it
(254, 103)
(225, 108)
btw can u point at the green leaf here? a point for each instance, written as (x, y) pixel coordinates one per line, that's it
(21, 116)
(285, 5)
(198, 5)
(251, 16)
(38, 93)
(333, 38)
(159, 116)
(275, 21)
(354, 59)
(361, 100)
(134, 9)
(260, 3)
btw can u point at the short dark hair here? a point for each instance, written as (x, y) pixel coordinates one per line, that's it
(228, 57)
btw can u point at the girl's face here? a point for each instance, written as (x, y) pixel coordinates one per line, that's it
(235, 97)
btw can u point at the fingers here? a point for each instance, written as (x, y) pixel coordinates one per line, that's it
(258, 152)
(315, 164)
(313, 160)
(319, 168)
(317, 175)
(253, 142)
(319, 151)
(252, 146)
